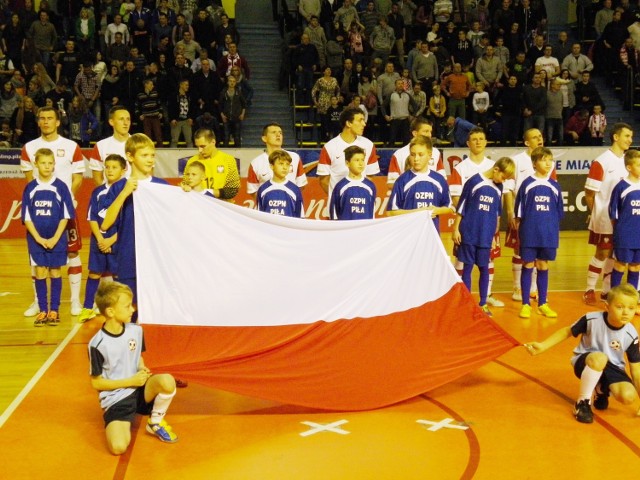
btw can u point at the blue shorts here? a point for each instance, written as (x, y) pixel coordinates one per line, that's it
(610, 375)
(101, 262)
(47, 258)
(627, 255)
(472, 255)
(529, 254)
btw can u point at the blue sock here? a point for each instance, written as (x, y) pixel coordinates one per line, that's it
(56, 291)
(41, 293)
(466, 275)
(90, 292)
(525, 284)
(484, 284)
(616, 277)
(543, 286)
(632, 278)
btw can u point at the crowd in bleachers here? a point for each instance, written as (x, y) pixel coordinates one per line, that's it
(168, 61)
(491, 62)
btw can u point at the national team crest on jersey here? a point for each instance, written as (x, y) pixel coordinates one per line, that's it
(60, 152)
(220, 168)
(132, 344)
(615, 344)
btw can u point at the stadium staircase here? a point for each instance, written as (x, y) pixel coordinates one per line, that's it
(261, 45)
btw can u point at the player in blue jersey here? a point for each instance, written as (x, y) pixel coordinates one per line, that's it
(354, 197)
(280, 195)
(599, 359)
(420, 188)
(126, 386)
(538, 210)
(101, 258)
(141, 154)
(476, 222)
(624, 210)
(47, 206)
(195, 174)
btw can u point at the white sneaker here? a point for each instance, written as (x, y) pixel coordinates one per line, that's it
(76, 307)
(33, 310)
(516, 295)
(494, 302)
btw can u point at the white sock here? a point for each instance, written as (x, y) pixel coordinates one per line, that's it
(516, 269)
(160, 405)
(75, 278)
(534, 280)
(606, 275)
(33, 285)
(593, 273)
(588, 381)
(491, 272)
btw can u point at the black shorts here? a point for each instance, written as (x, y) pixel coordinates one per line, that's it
(125, 410)
(610, 375)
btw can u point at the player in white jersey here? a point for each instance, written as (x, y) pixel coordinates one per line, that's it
(120, 121)
(332, 166)
(475, 163)
(397, 165)
(524, 168)
(260, 170)
(605, 172)
(69, 168)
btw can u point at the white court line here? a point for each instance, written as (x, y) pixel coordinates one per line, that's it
(38, 375)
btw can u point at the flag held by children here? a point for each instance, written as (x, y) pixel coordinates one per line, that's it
(346, 315)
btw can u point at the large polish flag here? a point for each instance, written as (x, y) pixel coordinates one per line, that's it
(346, 315)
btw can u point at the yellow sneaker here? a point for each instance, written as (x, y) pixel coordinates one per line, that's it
(86, 314)
(162, 431)
(525, 311)
(546, 311)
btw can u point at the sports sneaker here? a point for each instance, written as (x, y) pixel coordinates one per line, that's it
(516, 296)
(53, 319)
(545, 310)
(533, 295)
(601, 400)
(582, 412)
(525, 311)
(76, 308)
(32, 310)
(41, 320)
(181, 383)
(494, 302)
(604, 296)
(589, 297)
(86, 314)
(162, 431)
(485, 309)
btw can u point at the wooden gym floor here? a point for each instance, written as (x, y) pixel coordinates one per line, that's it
(510, 419)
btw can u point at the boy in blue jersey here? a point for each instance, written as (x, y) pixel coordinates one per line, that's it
(125, 385)
(624, 211)
(194, 175)
(599, 359)
(279, 195)
(538, 210)
(354, 197)
(141, 155)
(101, 258)
(47, 206)
(477, 222)
(420, 188)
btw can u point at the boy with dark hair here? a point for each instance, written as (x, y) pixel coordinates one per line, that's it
(118, 372)
(101, 257)
(279, 195)
(354, 196)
